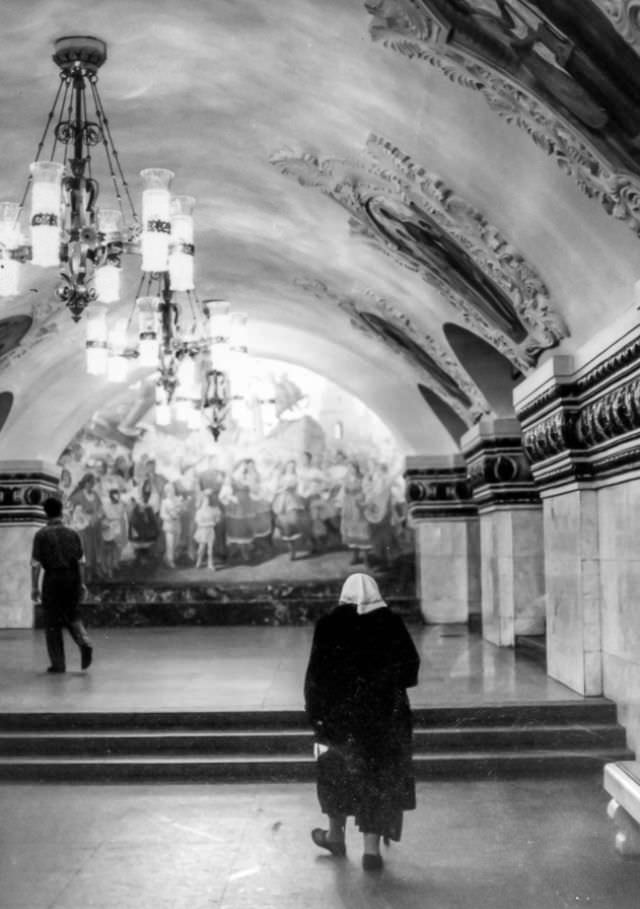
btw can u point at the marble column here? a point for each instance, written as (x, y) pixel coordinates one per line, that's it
(24, 485)
(548, 403)
(445, 523)
(511, 531)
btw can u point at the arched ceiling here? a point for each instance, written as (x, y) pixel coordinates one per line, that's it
(366, 174)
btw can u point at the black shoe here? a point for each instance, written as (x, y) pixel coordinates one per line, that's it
(55, 669)
(86, 655)
(371, 862)
(319, 837)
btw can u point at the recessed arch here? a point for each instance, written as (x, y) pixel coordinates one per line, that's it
(490, 370)
(6, 403)
(388, 331)
(12, 331)
(454, 425)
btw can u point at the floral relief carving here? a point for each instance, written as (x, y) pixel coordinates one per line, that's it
(419, 221)
(411, 28)
(625, 15)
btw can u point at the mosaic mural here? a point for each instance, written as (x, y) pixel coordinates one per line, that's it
(305, 483)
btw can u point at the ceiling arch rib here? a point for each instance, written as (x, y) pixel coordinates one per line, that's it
(385, 385)
(557, 69)
(376, 317)
(430, 229)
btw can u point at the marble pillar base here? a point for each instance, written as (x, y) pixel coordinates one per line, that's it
(16, 608)
(574, 620)
(513, 583)
(24, 485)
(448, 567)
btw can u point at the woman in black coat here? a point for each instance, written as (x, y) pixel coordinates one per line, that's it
(362, 661)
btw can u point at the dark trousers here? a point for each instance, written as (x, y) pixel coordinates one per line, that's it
(60, 606)
(55, 641)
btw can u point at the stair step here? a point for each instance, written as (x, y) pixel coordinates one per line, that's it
(244, 767)
(288, 741)
(593, 710)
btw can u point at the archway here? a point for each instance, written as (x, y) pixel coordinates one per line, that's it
(455, 426)
(489, 369)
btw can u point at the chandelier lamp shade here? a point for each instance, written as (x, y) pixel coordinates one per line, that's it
(191, 347)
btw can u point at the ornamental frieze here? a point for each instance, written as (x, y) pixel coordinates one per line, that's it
(22, 495)
(414, 217)
(438, 493)
(564, 76)
(595, 422)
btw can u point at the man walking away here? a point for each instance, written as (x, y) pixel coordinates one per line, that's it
(57, 550)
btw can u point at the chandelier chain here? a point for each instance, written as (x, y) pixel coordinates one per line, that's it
(112, 155)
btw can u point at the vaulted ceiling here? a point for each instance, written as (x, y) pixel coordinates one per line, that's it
(421, 199)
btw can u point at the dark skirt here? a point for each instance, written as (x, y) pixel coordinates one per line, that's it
(374, 786)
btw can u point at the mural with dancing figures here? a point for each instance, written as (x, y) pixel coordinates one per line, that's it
(304, 484)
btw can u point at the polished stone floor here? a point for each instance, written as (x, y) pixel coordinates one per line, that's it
(469, 845)
(250, 668)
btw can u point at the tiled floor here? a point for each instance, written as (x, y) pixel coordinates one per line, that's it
(222, 668)
(489, 845)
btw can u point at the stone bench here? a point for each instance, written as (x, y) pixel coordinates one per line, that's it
(622, 782)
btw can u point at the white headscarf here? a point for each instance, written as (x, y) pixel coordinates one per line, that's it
(362, 591)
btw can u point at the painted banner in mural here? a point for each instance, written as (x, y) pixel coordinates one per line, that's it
(304, 484)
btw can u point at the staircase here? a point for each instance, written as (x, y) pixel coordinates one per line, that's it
(563, 738)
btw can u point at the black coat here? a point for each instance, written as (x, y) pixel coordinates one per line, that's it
(355, 697)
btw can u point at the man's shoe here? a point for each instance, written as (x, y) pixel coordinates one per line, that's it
(371, 862)
(55, 669)
(86, 655)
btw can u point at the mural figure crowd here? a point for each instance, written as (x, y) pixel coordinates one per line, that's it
(318, 475)
(127, 511)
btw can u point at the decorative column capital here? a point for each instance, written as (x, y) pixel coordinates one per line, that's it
(581, 416)
(497, 465)
(24, 485)
(437, 488)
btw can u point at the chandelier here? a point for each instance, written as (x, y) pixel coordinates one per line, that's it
(192, 347)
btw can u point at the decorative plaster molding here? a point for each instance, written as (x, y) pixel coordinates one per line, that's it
(353, 307)
(22, 494)
(47, 316)
(625, 16)
(414, 30)
(438, 493)
(415, 218)
(589, 427)
(499, 472)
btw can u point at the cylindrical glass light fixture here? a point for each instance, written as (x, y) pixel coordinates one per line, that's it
(163, 408)
(96, 343)
(219, 328)
(156, 218)
(117, 361)
(187, 391)
(238, 338)
(181, 252)
(107, 275)
(148, 345)
(9, 242)
(45, 212)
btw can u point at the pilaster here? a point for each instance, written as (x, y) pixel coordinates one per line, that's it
(24, 485)
(511, 543)
(580, 417)
(444, 518)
